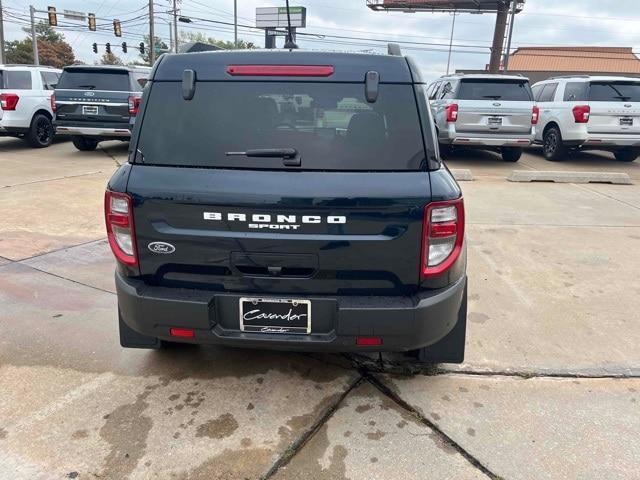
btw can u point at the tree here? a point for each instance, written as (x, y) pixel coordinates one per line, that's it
(186, 37)
(53, 50)
(160, 46)
(110, 59)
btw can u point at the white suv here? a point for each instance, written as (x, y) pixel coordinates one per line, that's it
(25, 103)
(591, 113)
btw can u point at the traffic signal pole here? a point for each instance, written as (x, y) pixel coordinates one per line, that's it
(175, 25)
(1, 36)
(152, 36)
(34, 38)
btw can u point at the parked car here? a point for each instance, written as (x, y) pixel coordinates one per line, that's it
(96, 103)
(589, 112)
(25, 103)
(290, 200)
(492, 112)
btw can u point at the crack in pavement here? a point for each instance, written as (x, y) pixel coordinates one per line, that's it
(110, 155)
(65, 278)
(58, 250)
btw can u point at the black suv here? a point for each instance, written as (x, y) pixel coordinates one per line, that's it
(291, 200)
(95, 103)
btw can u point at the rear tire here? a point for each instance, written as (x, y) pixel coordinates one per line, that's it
(84, 144)
(627, 154)
(553, 148)
(450, 349)
(41, 132)
(511, 154)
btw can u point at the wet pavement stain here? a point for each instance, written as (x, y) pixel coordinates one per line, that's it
(377, 435)
(223, 426)
(3, 433)
(363, 408)
(79, 434)
(471, 432)
(477, 317)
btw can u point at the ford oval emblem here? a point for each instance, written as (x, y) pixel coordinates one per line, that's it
(89, 94)
(161, 247)
(497, 104)
(628, 105)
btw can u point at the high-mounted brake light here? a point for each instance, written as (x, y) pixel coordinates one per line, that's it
(581, 113)
(118, 212)
(442, 236)
(280, 70)
(535, 115)
(52, 101)
(134, 104)
(452, 113)
(8, 101)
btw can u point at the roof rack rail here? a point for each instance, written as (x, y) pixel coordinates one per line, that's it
(25, 65)
(569, 76)
(394, 49)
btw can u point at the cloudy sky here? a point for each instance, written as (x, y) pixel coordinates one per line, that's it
(543, 22)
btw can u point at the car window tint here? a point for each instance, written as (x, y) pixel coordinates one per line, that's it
(49, 80)
(95, 79)
(16, 79)
(537, 90)
(331, 125)
(614, 92)
(575, 92)
(549, 92)
(491, 89)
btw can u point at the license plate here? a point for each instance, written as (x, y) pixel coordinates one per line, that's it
(274, 315)
(495, 121)
(89, 110)
(626, 122)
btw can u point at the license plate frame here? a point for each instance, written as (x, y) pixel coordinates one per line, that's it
(277, 307)
(626, 121)
(90, 110)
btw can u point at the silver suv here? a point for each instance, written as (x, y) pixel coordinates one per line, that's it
(25, 103)
(493, 112)
(589, 112)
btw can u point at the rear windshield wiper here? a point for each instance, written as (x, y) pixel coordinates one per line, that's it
(493, 97)
(290, 157)
(88, 87)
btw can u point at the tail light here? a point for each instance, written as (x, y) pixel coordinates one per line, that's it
(118, 212)
(52, 99)
(442, 236)
(535, 115)
(452, 113)
(8, 101)
(134, 104)
(581, 113)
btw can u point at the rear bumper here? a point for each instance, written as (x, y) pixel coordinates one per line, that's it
(611, 141)
(404, 323)
(493, 141)
(93, 131)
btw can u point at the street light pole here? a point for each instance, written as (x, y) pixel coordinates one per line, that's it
(34, 38)
(1, 36)
(507, 54)
(453, 26)
(152, 36)
(235, 23)
(175, 26)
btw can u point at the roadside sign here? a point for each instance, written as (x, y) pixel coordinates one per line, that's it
(276, 17)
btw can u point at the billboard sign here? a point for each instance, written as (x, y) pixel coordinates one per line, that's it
(276, 17)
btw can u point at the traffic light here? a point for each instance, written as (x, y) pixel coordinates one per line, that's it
(107, 47)
(53, 18)
(117, 29)
(124, 47)
(95, 48)
(141, 47)
(92, 22)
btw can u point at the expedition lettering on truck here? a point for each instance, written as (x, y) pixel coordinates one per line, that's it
(290, 200)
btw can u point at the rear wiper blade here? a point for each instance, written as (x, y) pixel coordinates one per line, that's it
(493, 97)
(88, 87)
(267, 153)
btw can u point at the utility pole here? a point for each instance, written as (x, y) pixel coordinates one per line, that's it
(175, 26)
(235, 23)
(498, 36)
(1, 36)
(453, 26)
(34, 38)
(152, 36)
(507, 54)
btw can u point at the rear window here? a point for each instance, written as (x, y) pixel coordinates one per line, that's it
(331, 125)
(16, 79)
(491, 89)
(95, 80)
(614, 92)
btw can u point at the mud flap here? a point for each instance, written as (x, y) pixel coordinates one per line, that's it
(131, 339)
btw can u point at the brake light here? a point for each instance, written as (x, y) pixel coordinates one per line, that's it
(8, 101)
(452, 113)
(581, 113)
(52, 99)
(535, 115)
(118, 211)
(280, 70)
(134, 104)
(442, 236)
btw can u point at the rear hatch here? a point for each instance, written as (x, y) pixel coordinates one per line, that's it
(490, 105)
(615, 107)
(95, 95)
(347, 220)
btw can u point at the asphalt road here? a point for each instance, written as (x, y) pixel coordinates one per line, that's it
(550, 388)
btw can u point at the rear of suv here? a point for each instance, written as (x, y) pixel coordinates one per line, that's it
(590, 113)
(25, 103)
(491, 112)
(289, 200)
(96, 103)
